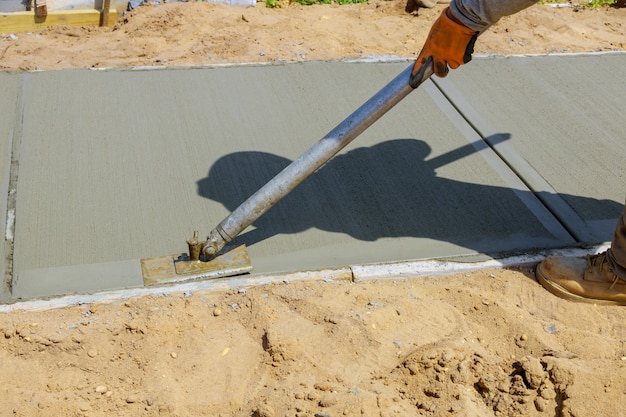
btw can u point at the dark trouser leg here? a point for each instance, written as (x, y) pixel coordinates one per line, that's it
(617, 253)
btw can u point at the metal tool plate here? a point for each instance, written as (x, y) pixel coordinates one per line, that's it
(177, 268)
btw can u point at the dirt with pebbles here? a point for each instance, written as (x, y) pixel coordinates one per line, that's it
(487, 343)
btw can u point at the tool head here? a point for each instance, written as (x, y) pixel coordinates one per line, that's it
(178, 268)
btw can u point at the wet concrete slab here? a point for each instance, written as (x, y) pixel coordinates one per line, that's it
(120, 165)
(567, 137)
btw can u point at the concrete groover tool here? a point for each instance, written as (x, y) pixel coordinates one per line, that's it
(204, 261)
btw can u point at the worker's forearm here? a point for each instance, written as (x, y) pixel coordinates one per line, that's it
(481, 14)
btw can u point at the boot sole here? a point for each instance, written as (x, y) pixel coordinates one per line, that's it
(561, 292)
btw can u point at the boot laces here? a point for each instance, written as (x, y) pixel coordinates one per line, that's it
(599, 260)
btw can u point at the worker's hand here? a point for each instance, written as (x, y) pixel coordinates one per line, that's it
(449, 43)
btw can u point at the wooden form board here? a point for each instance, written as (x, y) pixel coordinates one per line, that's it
(26, 21)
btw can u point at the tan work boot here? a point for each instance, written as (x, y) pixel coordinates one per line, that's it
(590, 280)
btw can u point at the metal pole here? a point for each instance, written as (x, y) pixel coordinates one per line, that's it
(290, 177)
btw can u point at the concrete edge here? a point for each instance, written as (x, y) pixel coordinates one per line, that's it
(370, 59)
(352, 274)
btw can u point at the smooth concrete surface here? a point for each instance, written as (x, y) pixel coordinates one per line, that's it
(71, 279)
(565, 113)
(119, 165)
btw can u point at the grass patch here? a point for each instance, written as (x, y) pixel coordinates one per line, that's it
(279, 3)
(591, 4)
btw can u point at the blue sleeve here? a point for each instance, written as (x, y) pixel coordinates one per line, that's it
(481, 14)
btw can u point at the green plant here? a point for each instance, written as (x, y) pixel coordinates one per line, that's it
(598, 3)
(274, 3)
(350, 1)
(592, 4)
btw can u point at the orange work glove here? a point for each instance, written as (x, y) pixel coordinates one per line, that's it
(450, 44)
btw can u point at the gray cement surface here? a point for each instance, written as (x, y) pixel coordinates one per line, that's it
(119, 165)
(567, 141)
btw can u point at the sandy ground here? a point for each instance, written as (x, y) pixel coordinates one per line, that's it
(488, 343)
(204, 33)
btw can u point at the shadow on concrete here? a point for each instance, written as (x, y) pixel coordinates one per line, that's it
(387, 190)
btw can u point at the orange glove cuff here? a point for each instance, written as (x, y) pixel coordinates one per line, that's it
(449, 42)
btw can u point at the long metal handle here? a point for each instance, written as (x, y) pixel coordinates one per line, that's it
(300, 169)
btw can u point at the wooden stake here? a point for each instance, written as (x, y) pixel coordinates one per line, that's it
(105, 13)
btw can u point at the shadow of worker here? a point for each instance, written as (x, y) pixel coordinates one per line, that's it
(387, 190)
